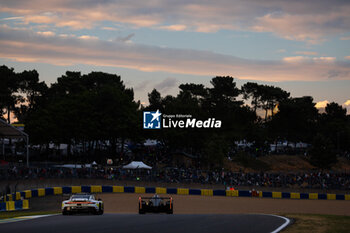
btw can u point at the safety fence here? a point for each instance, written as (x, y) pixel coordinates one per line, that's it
(40, 192)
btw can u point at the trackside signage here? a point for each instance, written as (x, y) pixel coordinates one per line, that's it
(157, 120)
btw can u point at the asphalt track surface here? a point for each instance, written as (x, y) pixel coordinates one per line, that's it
(134, 223)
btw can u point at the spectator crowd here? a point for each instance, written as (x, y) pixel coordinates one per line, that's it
(311, 180)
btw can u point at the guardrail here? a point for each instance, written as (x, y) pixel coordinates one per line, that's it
(181, 191)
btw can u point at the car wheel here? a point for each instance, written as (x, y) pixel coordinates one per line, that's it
(142, 212)
(100, 209)
(170, 211)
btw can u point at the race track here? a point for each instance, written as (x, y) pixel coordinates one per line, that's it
(134, 223)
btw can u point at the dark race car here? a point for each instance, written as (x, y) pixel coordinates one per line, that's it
(156, 204)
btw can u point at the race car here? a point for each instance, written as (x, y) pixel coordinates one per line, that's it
(156, 204)
(82, 202)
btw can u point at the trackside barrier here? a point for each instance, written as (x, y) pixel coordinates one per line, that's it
(14, 205)
(25, 204)
(244, 193)
(331, 197)
(11, 199)
(161, 190)
(86, 189)
(182, 191)
(232, 193)
(195, 192)
(150, 190)
(49, 191)
(339, 197)
(140, 190)
(295, 195)
(96, 189)
(286, 195)
(18, 196)
(313, 196)
(28, 194)
(207, 192)
(10, 205)
(76, 189)
(107, 189)
(171, 190)
(323, 196)
(276, 194)
(219, 192)
(304, 196)
(118, 189)
(41, 192)
(266, 194)
(128, 189)
(347, 197)
(57, 190)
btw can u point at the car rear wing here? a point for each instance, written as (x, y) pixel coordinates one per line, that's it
(155, 198)
(162, 198)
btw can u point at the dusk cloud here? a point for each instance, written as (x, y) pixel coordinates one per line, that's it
(322, 104)
(310, 21)
(26, 45)
(166, 84)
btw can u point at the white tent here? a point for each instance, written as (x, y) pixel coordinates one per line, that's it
(136, 165)
(73, 165)
(150, 142)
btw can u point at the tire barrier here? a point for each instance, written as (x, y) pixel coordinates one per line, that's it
(40, 192)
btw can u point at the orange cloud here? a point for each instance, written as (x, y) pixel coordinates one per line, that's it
(47, 33)
(87, 37)
(39, 19)
(110, 28)
(322, 104)
(325, 59)
(176, 27)
(295, 59)
(306, 53)
(304, 59)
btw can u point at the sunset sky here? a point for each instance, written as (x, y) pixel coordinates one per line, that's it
(300, 46)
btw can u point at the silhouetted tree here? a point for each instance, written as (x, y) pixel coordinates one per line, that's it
(322, 152)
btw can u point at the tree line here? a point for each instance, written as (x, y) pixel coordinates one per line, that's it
(99, 112)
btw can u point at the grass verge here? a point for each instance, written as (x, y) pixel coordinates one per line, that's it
(13, 214)
(318, 223)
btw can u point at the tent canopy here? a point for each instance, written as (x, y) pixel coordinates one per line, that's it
(136, 165)
(150, 142)
(8, 131)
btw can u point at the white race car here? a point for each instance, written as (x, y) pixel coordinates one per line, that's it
(82, 202)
